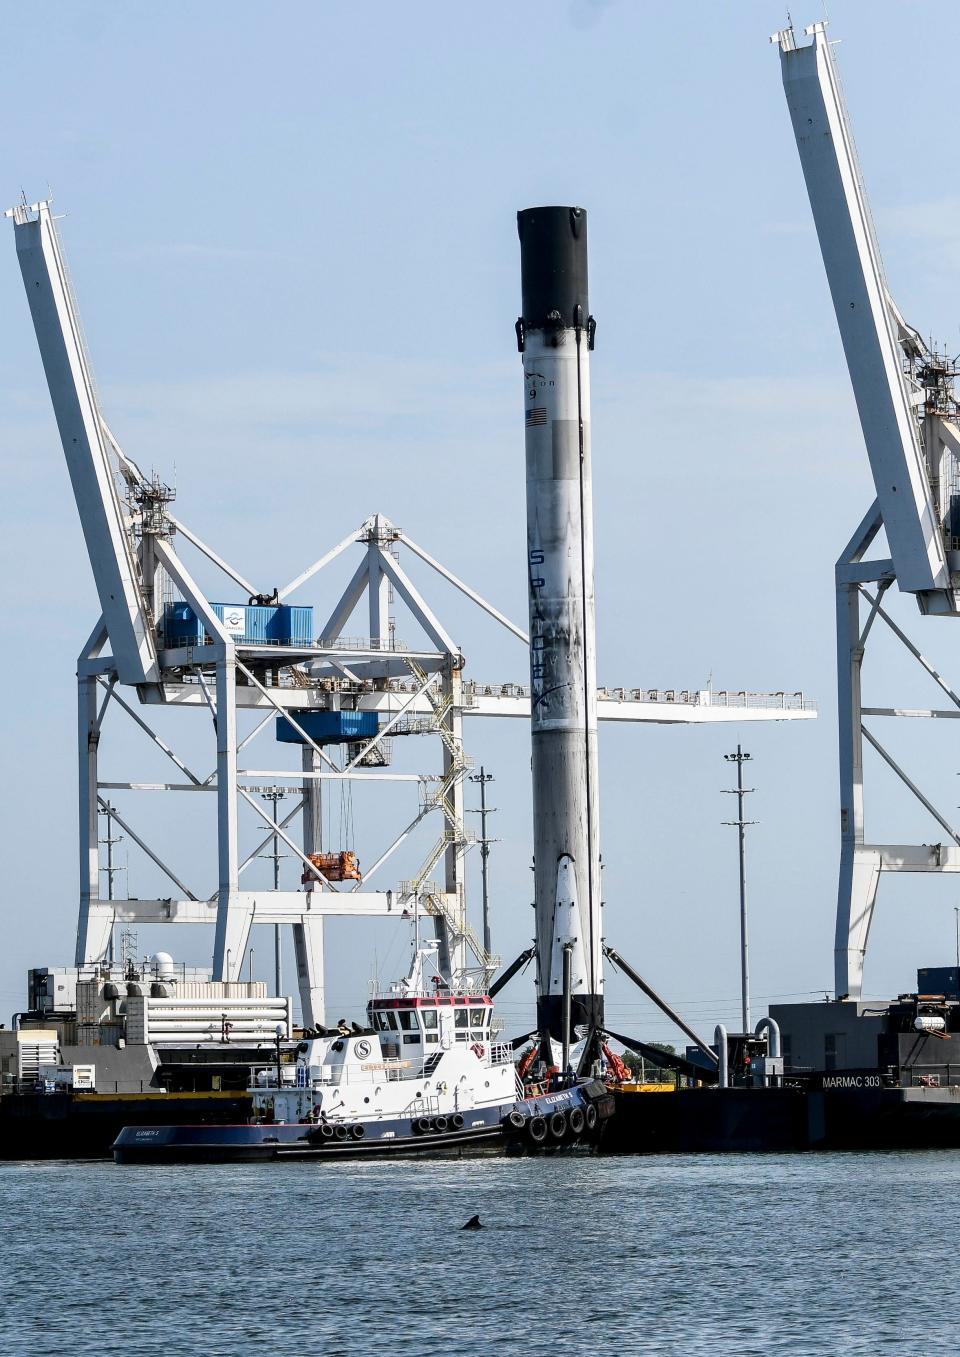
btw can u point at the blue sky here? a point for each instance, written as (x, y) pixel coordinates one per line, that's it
(291, 230)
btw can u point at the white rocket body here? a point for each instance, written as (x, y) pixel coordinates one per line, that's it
(568, 932)
(556, 335)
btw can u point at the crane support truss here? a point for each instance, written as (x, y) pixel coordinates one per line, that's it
(414, 690)
(861, 586)
(132, 538)
(904, 392)
(216, 673)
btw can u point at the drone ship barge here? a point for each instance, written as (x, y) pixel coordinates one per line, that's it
(837, 1075)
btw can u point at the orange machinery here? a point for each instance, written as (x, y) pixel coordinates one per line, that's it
(341, 866)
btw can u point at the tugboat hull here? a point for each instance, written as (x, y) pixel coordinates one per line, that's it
(237, 1144)
(564, 1119)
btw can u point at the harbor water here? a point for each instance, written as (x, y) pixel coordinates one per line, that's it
(749, 1255)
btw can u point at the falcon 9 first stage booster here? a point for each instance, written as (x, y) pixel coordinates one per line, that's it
(555, 336)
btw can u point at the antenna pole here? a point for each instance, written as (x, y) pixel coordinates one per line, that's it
(274, 796)
(108, 842)
(740, 758)
(482, 778)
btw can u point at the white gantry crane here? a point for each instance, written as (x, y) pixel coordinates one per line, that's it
(904, 392)
(161, 642)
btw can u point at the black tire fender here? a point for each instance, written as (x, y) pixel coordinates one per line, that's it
(577, 1121)
(558, 1125)
(537, 1130)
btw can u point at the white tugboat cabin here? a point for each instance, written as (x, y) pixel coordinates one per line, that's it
(427, 1054)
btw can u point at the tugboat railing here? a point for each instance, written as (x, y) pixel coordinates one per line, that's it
(421, 1107)
(499, 1053)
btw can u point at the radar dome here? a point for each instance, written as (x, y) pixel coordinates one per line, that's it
(163, 962)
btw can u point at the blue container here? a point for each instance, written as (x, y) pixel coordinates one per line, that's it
(251, 623)
(291, 626)
(329, 727)
(246, 621)
(300, 629)
(181, 626)
(939, 980)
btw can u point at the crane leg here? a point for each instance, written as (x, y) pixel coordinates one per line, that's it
(95, 917)
(308, 949)
(860, 864)
(308, 933)
(234, 912)
(857, 895)
(854, 909)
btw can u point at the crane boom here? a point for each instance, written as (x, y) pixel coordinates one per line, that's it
(870, 328)
(112, 552)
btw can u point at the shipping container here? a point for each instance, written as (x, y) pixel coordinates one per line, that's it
(329, 727)
(300, 628)
(181, 626)
(247, 622)
(939, 980)
(291, 626)
(250, 623)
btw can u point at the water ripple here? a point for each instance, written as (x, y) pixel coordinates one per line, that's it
(712, 1256)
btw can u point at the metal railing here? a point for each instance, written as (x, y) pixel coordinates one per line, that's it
(706, 697)
(362, 643)
(421, 1106)
(930, 1076)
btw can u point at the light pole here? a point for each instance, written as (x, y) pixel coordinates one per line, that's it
(280, 1033)
(956, 915)
(740, 758)
(275, 795)
(483, 777)
(109, 841)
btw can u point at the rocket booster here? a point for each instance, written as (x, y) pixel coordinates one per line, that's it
(555, 337)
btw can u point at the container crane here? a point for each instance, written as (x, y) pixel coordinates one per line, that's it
(904, 392)
(341, 700)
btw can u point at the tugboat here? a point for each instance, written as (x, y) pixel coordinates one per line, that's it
(425, 1077)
